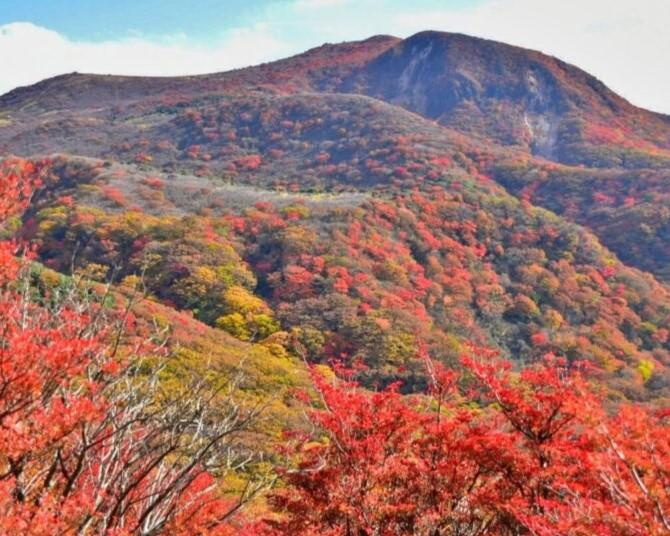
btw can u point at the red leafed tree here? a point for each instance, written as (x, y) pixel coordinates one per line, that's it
(90, 441)
(539, 455)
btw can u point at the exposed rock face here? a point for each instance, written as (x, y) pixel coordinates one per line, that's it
(512, 95)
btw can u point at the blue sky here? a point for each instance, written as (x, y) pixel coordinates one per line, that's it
(624, 43)
(201, 21)
(98, 20)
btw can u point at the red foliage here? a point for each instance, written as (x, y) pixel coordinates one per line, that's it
(154, 182)
(115, 195)
(193, 151)
(539, 339)
(69, 435)
(296, 283)
(603, 134)
(600, 197)
(19, 178)
(442, 161)
(543, 458)
(249, 162)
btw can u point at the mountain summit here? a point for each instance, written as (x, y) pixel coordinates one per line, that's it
(513, 95)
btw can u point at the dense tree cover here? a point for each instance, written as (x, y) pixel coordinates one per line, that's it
(527, 453)
(628, 210)
(106, 433)
(451, 261)
(440, 268)
(182, 261)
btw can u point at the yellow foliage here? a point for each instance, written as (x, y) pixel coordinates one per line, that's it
(553, 318)
(205, 275)
(646, 369)
(50, 278)
(239, 299)
(94, 271)
(235, 324)
(131, 281)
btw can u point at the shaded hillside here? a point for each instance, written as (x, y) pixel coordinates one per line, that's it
(628, 209)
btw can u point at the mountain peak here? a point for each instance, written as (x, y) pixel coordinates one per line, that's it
(510, 94)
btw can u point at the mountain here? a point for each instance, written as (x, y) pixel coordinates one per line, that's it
(483, 88)
(362, 200)
(512, 95)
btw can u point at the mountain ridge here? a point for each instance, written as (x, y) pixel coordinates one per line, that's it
(370, 49)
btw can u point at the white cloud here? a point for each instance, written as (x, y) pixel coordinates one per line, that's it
(29, 53)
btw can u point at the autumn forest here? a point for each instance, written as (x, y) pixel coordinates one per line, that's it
(384, 287)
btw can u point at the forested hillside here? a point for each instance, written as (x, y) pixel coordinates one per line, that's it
(453, 250)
